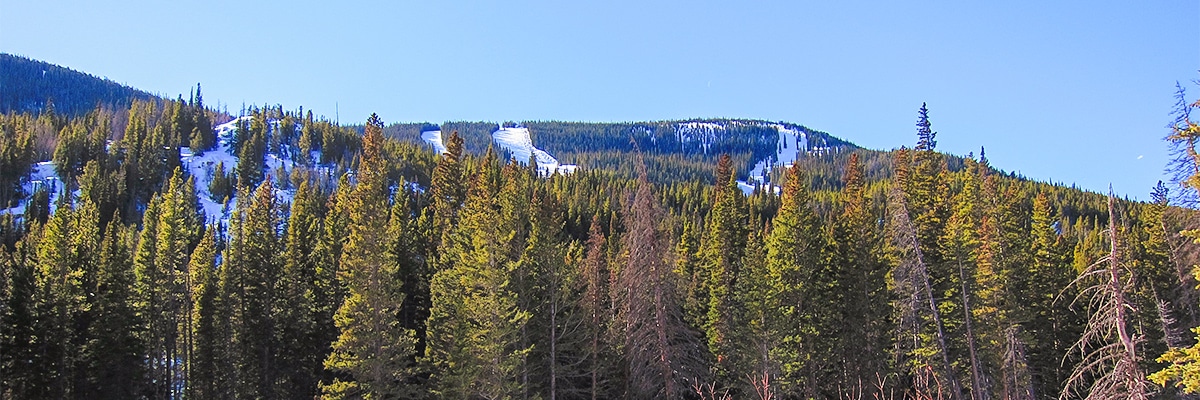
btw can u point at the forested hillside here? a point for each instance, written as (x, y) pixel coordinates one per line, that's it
(28, 85)
(355, 262)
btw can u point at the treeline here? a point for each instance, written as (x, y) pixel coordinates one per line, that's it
(484, 280)
(690, 148)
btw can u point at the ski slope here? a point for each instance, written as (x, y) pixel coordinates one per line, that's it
(519, 143)
(789, 146)
(434, 138)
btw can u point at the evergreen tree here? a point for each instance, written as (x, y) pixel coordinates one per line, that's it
(475, 322)
(61, 300)
(721, 257)
(555, 325)
(372, 348)
(1052, 324)
(115, 353)
(161, 264)
(251, 148)
(922, 178)
(23, 370)
(960, 244)
(301, 356)
(330, 293)
(597, 309)
(249, 276)
(799, 281)
(864, 320)
(447, 193)
(202, 137)
(203, 365)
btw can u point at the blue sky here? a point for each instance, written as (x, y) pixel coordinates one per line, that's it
(1075, 92)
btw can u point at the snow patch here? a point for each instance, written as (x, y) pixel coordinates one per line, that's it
(789, 146)
(43, 177)
(434, 138)
(703, 132)
(203, 167)
(518, 142)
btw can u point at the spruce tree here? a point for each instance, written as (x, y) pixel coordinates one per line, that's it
(301, 356)
(250, 272)
(115, 352)
(475, 322)
(201, 137)
(61, 298)
(596, 306)
(864, 316)
(447, 192)
(203, 365)
(721, 255)
(373, 349)
(23, 372)
(799, 280)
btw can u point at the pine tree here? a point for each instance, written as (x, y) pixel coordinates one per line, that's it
(761, 330)
(151, 303)
(475, 323)
(922, 179)
(171, 227)
(372, 348)
(406, 248)
(301, 356)
(960, 245)
(201, 137)
(446, 192)
(922, 334)
(23, 372)
(250, 272)
(721, 256)
(864, 320)
(114, 356)
(556, 325)
(1052, 322)
(202, 379)
(798, 283)
(61, 299)
(330, 293)
(251, 148)
(182, 122)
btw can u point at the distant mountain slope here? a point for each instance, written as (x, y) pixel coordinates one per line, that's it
(27, 85)
(678, 150)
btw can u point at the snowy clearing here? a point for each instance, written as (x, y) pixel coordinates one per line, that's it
(518, 142)
(434, 138)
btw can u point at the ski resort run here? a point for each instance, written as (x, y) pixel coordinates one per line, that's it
(518, 142)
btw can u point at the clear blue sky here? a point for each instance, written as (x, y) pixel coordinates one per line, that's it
(1077, 92)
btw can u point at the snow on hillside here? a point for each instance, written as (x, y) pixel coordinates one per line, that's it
(434, 138)
(518, 142)
(704, 132)
(789, 146)
(43, 176)
(203, 167)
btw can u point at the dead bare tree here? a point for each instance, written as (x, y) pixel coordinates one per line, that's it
(761, 383)
(1018, 383)
(1108, 348)
(662, 353)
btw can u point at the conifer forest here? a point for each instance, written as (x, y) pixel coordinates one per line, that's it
(173, 250)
